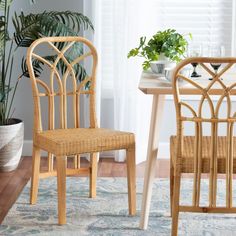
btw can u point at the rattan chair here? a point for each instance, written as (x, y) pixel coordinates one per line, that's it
(204, 152)
(62, 142)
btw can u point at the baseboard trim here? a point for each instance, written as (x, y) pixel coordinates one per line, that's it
(164, 152)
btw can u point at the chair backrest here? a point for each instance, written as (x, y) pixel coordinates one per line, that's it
(64, 60)
(223, 84)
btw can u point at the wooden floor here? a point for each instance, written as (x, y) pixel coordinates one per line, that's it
(12, 183)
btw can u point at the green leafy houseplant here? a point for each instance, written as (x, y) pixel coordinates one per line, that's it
(168, 43)
(28, 28)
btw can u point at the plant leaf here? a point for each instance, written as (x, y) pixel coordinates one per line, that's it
(3, 92)
(37, 67)
(33, 26)
(2, 4)
(2, 33)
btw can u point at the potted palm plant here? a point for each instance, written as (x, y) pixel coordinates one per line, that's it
(27, 28)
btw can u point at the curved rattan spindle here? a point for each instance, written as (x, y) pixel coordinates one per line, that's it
(50, 120)
(51, 103)
(62, 90)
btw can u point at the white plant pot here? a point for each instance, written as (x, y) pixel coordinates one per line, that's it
(11, 143)
(158, 67)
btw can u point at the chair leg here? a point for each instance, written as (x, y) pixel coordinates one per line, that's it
(77, 161)
(175, 205)
(131, 178)
(171, 183)
(35, 175)
(50, 162)
(93, 175)
(61, 189)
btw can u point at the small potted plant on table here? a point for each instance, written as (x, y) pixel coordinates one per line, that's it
(164, 48)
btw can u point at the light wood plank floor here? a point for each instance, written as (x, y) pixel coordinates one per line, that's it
(12, 183)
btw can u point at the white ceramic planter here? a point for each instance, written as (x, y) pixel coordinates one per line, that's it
(11, 143)
(158, 67)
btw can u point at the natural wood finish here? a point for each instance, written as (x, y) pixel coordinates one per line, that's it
(11, 185)
(155, 124)
(93, 175)
(50, 162)
(63, 141)
(175, 203)
(77, 162)
(171, 182)
(69, 171)
(188, 154)
(207, 209)
(61, 189)
(35, 175)
(131, 177)
(200, 154)
(83, 140)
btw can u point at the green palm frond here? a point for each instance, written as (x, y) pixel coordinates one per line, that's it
(3, 34)
(2, 23)
(2, 4)
(3, 92)
(79, 70)
(33, 26)
(27, 29)
(37, 66)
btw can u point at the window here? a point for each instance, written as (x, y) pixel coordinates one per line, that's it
(209, 21)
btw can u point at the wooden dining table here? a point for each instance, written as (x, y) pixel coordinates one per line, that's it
(157, 86)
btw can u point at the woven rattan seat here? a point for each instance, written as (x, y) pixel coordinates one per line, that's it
(187, 158)
(82, 140)
(69, 93)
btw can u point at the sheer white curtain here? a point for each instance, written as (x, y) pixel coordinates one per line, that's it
(131, 107)
(233, 39)
(115, 35)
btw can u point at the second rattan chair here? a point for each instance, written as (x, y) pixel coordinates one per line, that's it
(59, 89)
(204, 153)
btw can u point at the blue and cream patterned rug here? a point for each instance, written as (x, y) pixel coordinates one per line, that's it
(107, 214)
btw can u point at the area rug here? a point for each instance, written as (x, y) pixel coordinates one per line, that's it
(108, 213)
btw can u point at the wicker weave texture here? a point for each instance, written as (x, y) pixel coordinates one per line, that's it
(81, 140)
(187, 158)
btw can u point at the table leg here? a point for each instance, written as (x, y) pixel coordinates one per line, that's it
(155, 124)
